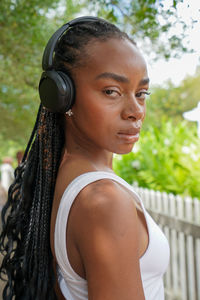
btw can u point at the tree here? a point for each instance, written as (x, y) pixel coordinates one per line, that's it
(149, 22)
(25, 27)
(171, 102)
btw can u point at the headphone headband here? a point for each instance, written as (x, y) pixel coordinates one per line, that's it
(47, 60)
(56, 88)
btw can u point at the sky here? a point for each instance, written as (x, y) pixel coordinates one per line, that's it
(177, 69)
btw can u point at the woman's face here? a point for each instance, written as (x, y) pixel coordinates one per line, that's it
(110, 97)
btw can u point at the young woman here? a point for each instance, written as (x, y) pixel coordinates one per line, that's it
(75, 230)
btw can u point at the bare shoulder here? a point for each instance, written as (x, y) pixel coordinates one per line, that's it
(105, 203)
(104, 194)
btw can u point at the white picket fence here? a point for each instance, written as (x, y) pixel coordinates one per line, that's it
(179, 218)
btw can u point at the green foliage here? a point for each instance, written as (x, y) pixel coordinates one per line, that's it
(148, 20)
(10, 148)
(25, 27)
(172, 102)
(165, 159)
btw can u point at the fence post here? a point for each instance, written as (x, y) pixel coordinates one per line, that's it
(181, 251)
(167, 278)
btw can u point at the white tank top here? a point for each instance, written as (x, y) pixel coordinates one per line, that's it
(153, 263)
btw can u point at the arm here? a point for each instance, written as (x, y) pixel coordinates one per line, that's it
(107, 238)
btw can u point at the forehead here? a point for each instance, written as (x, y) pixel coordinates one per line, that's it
(114, 55)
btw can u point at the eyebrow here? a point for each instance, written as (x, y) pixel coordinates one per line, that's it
(116, 77)
(120, 78)
(144, 81)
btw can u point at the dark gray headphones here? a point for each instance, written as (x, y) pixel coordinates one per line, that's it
(56, 88)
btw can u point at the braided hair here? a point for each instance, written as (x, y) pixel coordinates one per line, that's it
(27, 264)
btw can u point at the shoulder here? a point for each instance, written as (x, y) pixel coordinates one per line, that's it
(104, 205)
(103, 193)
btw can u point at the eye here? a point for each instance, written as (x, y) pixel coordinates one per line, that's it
(111, 93)
(142, 95)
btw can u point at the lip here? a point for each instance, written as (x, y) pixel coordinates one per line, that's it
(130, 135)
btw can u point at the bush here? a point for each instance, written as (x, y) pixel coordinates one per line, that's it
(165, 159)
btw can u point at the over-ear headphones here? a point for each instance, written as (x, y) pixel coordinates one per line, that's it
(56, 88)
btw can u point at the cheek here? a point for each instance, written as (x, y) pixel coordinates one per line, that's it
(90, 115)
(94, 115)
(90, 106)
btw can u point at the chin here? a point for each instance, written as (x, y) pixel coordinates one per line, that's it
(125, 150)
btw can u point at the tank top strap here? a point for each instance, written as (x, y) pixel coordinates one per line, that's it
(66, 202)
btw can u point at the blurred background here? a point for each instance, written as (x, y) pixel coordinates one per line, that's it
(167, 157)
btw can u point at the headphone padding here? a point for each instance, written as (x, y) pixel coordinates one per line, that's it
(56, 91)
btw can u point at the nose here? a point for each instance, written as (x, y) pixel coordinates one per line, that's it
(133, 109)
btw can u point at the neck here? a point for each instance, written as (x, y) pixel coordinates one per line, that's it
(101, 159)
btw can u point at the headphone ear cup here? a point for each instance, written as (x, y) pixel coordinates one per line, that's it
(56, 91)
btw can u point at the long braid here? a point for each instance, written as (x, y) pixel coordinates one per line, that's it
(25, 239)
(26, 231)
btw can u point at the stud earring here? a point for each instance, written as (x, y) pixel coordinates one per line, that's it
(69, 112)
